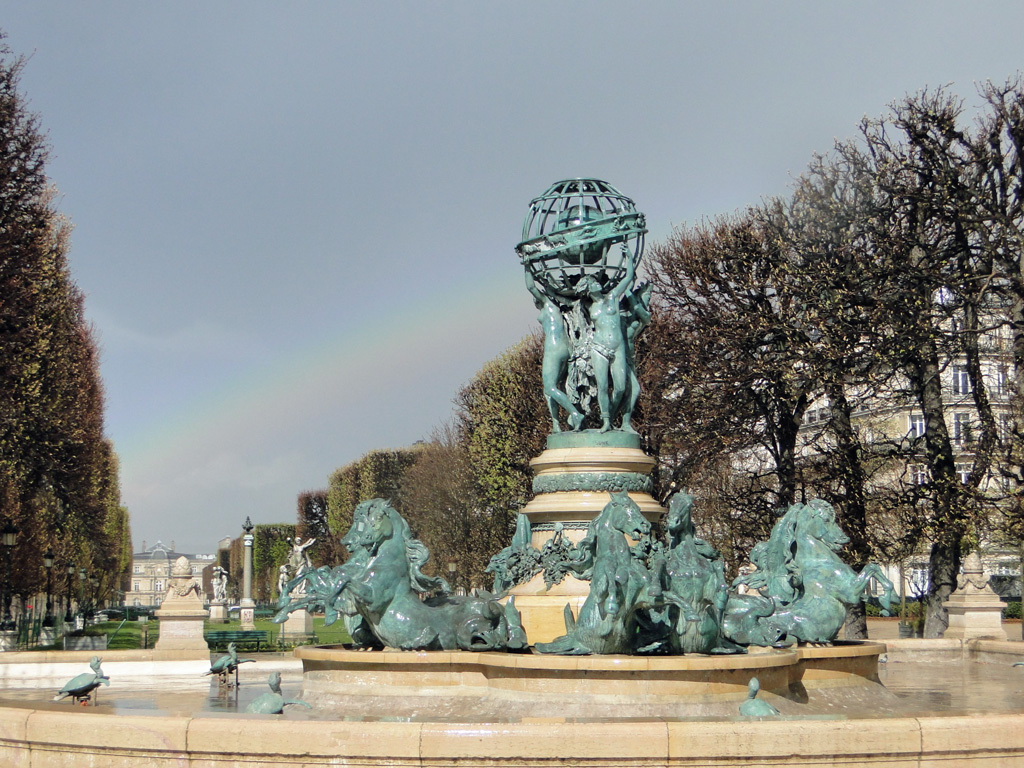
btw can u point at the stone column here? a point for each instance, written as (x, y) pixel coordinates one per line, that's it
(248, 605)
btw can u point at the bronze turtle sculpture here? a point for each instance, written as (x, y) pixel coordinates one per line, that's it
(80, 687)
(753, 706)
(227, 664)
(273, 703)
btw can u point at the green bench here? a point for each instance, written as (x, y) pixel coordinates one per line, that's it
(238, 637)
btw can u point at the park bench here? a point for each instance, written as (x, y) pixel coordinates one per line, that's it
(221, 638)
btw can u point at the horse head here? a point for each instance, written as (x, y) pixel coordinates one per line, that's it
(623, 514)
(355, 531)
(679, 521)
(818, 522)
(378, 526)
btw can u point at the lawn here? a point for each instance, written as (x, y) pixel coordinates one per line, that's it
(130, 635)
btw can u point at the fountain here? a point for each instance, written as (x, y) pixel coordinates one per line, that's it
(598, 642)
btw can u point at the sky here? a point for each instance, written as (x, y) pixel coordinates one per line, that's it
(295, 223)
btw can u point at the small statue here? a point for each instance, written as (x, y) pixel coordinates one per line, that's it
(227, 665)
(694, 585)
(636, 315)
(80, 688)
(220, 584)
(298, 560)
(282, 580)
(557, 349)
(273, 703)
(755, 707)
(608, 354)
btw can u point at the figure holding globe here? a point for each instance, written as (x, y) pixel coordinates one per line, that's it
(608, 354)
(557, 349)
(583, 287)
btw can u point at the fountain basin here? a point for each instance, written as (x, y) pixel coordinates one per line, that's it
(45, 735)
(460, 685)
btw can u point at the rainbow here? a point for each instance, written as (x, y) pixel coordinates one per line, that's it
(414, 332)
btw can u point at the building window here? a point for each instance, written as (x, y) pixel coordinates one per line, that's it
(136, 602)
(963, 471)
(136, 586)
(962, 429)
(137, 569)
(1002, 380)
(1005, 426)
(159, 586)
(918, 473)
(916, 425)
(961, 381)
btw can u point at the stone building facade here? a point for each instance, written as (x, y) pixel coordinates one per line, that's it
(151, 573)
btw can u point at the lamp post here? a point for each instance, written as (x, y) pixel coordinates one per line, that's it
(247, 606)
(452, 566)
(68, 594)
(9, 538)
(81, 595)
(48, 565)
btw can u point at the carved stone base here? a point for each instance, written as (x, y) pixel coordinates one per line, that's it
(181, 627)
(974, 609)
(573, 481)
(247, 614)
(299, 624)
(218, 612)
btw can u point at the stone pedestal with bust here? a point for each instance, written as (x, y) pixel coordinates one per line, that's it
(181, 613)
(974, 609)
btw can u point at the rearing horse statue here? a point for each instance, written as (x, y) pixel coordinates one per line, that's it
(619, 584)
(802, 587)
(383, 584)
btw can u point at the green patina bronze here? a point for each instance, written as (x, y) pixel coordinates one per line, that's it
(753, 706)
(650, 596)
(227, 664)
(694, 591)
(593, 481)
(518, 562)
(80, 687)
(273, 703)
(619, 584)
(801, 588)
(590, 309)
(399, 605)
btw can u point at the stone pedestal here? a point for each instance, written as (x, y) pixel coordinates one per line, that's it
(247, 614)
(218, 611)
(974, 609)
(8, 640)
(181, 614)
(298, 625)
(572, 481)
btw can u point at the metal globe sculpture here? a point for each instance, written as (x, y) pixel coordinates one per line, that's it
(582, 243)
(570, 232)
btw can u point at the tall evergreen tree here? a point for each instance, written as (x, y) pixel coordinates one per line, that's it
(58, 473)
